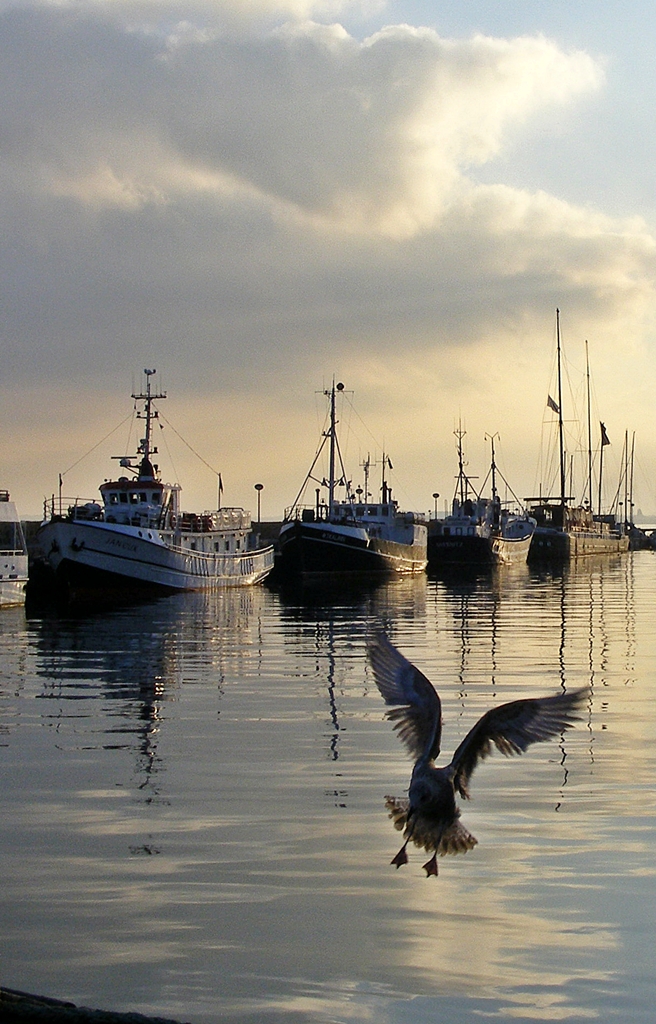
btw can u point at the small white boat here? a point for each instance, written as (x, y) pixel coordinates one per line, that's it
(138, 538)
(13, 554)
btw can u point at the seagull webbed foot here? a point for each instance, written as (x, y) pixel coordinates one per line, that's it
(401, 857)
(430, 867)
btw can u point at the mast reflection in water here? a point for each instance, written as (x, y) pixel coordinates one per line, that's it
(193, 805)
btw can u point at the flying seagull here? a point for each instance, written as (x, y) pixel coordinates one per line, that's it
(430, 816)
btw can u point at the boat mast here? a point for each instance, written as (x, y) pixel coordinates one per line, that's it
(333, 443)
(631, 464)
(626, 478)
(587, 371)
(493, 467)
(604, 442)
(561, 439)
(146, 448)
(331, 466)
(366, 465)
(384, 488)
(462, 479)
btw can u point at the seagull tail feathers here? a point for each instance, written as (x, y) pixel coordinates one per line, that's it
(428, 834)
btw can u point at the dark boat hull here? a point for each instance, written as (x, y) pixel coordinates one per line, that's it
(459, 550)
(560, 545)
(477, 550)
(321, 548)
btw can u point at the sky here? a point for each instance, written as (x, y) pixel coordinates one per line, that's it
(256, 197)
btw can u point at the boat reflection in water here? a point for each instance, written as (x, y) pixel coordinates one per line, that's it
(131, 663)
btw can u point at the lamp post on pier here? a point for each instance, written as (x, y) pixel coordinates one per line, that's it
(259, 488)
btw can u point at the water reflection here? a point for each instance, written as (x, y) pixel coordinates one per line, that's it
(135, 660)
(193, 805)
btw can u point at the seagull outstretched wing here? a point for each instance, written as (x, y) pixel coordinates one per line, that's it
(417, 712)
(511, 728)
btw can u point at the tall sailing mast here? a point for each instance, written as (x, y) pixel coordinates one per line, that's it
(561, 437)
(587, 373)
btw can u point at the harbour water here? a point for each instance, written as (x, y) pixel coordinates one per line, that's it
(193, 819)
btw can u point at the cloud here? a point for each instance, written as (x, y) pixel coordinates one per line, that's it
(254, 206)
(371, 135)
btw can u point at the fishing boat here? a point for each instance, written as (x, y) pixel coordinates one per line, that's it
(138, 539)
(479, 531)
(352, 535)
(13, 554)
(565, 531)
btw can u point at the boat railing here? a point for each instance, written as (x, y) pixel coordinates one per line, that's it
(352, 513)
(71, 508)
(207, 522)
(306, 513)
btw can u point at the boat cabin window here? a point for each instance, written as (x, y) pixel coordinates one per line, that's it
(113, 498)
(123, 498)
(359, 510)
(384, 510)
(156, 498)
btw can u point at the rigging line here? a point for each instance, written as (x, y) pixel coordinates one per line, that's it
(171, 459)
(169, 424)
(377, 444)
(355, 412)
(112, 431)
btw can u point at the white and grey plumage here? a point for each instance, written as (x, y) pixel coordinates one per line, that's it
(430, 816)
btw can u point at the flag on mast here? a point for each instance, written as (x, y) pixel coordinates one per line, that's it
(604, 435)
(552, 405)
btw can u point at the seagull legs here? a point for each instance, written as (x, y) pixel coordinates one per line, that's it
(402, 856)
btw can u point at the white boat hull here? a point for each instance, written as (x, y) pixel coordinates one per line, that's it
(511, 550)
(13, 578)
(99, 553)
